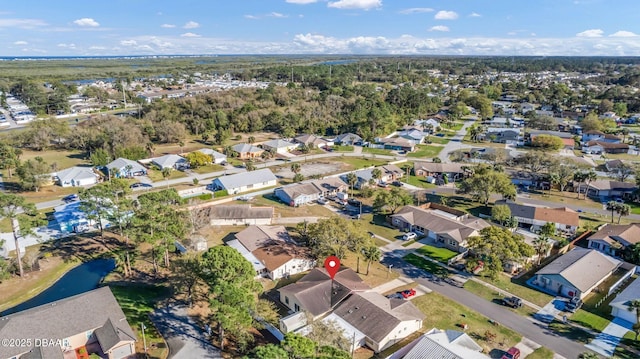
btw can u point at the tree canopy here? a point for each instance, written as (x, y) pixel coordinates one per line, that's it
(495, 246)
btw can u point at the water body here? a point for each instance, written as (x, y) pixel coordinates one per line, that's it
(80, 279)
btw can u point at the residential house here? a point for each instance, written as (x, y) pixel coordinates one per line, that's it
(576, 273)
(297, 194)
(389, 173)
(613, 238)
(76, 176)
(383, 321)
(533, 218)
(123, 167)
(347, 139)
(605, 188)
(503, 122)
(397, 144)
(272, 252)
(599, 147)
(364, 178)
(313, 141)
(279, 146)
(453, 171)
(92, 320)
(430, 123)
(528, 179)
(414, 135)
(545, 112)
(170, 161)
(569, 143)
(599, 136)
(235, 215)
(531, 134)
(613, 165)
(438, 344)
(317, 294)
(526, 107)
(245, 181)
(446, 226)
(216, 157)
(246, 151)
(620, 304)
(502, 135)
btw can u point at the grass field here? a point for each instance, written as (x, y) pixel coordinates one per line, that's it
(426, 265)
(378, 273)
(62, 159)
(541, 353)
(443, 313)
(377, 151)
(495, 297)
(375, 224)
(270, 200)
(208, 169)
(418, 181)
(357, 163)
(589, 320)
(426, 151)
(156, 176)
(439, 254)
(504, 282)
(339, 148)
(439, 140)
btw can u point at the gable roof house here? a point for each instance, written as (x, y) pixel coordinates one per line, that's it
(244, 181)
(605, 188)
(272, 252)
(171, 161)
(216, 157)
(297, 194)
(383, 321)
(453, 171)
(620, 304)
(502, 135)
(348, 139)
(279, 146)
(564, 219)
(413, 135)
(599, 147)
(247, 151)
(613, 238)
(595, 135)
(76, 176)
(126, 168)
(576, 273)
(235, 215)
(313, 141)
(439, 344)
(92, 319)
(446, 226)
(397, 144)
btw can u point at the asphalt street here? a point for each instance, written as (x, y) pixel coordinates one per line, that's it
(527, 327)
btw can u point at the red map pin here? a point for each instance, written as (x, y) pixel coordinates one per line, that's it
(332, 265)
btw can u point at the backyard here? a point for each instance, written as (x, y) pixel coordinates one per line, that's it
(376, 224)
(418, 181)
(426, 151)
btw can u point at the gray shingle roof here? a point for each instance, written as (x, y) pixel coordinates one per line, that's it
(75, 173)
(246, 178)
(245, 147)
(121, 163)
(279, 143)
(238, 211)
(168, 160)
(581, 267)
(64, 318)
(449, 344)
(629, 294)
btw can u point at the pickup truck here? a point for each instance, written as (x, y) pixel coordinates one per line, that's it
(573, 304)
(513, 302)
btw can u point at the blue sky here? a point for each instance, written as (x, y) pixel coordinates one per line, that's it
(412, 27)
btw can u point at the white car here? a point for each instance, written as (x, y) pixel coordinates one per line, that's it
(409, 236)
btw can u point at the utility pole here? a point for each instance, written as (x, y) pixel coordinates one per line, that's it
(144, 340)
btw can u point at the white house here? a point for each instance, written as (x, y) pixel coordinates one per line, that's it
(216, 157)
(126, 168)
(245, 181)
(438, 344)
(620, 304)
(171, 161)
(279, 146)
(76, 176)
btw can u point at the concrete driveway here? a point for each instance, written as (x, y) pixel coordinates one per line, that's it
(185, 338)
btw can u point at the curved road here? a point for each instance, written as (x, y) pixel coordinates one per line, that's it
(527, 327)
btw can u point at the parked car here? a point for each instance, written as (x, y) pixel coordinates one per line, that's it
(383, 184)
(395, 296)
(513, 302)
(512, 353)
(408, 293)
(71, 198)
(573, 304)
(321, 200)
(409, 236)
(140, 185)
(354, 202)
(398, 183)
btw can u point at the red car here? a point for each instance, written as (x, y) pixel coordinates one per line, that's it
(512, 353)
(408, 293)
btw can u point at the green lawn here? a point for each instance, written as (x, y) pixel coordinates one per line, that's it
(589, 320)
(418, 181)
(426, 151)
(519, 289)
(443, 313)
(426, 265)
(375, 224)
(156, 175)
(208, 169)
(439, 140)
(571, 332)
(541, 353)
(137, 301)
(377, 151)
(340, 148)
(495, 297)
(62, 159)
(360, 162)
(439, 254)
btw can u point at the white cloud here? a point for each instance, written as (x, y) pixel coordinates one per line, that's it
(446, 15)
(356, 4)
(190, 34)
(128, 43)
(623, 33)
(590, 33)
(416, 10)
(252, 17)
(475, 14)
(512, 33)
(22, 23)
(191, 25)
(97, 48)
(301, 2)
(86, 22)
(21, 43)
(277, 15)
(68, 46)
(439, 28)
(168, 26)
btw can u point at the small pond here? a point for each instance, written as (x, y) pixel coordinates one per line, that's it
(80, 279)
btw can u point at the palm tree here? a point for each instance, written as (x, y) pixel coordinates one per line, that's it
(579, 177)
(10, 207)
(352, 179)
(634, 305)
(166, 173)
(181, 144)
(589, 176)
(623, 210)
(295, 168)
(625, 133)
(371, 254)
(251, 140)
(376, 174)
(613, 207)
(541, 246)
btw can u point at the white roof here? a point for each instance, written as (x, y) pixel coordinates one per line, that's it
(121, 163)
(212, 153)
(246, 178)
(349, 331)
(279, 143)
(168, 160)
(75, 173)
